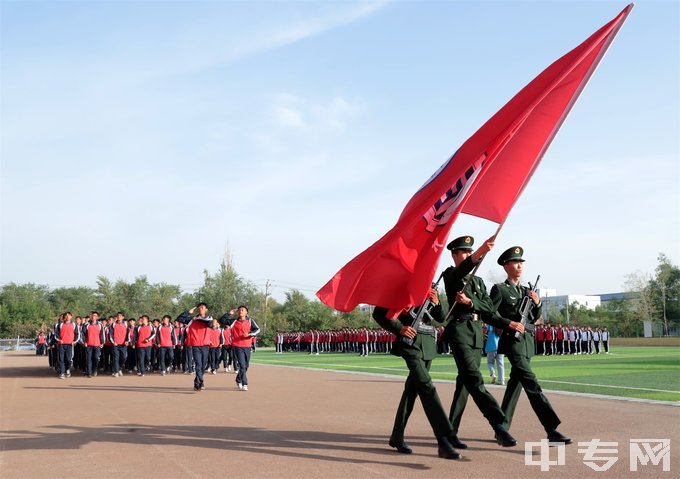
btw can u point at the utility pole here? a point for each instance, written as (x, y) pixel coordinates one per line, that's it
(663, 302)
(266, 301)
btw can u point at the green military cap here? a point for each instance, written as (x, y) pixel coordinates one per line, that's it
(511, 254)
(464, 242)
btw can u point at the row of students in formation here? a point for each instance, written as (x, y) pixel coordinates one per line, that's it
(195, 343)
(549, 340)
(362, 341)
(558, 340)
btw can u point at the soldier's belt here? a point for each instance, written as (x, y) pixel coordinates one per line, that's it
(467, 317)
(425, 329)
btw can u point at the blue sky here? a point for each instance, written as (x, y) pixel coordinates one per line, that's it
(142, 138)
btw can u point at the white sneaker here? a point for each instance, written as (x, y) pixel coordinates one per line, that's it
(240, 386)
(245, 387)
(493, 379)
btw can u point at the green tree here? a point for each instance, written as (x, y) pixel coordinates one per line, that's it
(643, 306)
(79, 300)
(24, 309)
(161, 298)
(105, 295)
(226, 290)
(664, 292)
(621, 318)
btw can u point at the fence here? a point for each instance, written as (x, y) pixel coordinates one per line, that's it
(17, 344)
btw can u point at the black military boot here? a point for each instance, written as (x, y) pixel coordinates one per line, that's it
(503, 437)
(401, 447)
(457, 443)
(554, 436)
(446, 451)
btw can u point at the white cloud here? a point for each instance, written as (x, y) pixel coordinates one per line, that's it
(290, 111)
(288, 117)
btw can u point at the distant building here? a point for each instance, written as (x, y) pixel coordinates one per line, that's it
(605, 298)
(590, 301)
(551, 300)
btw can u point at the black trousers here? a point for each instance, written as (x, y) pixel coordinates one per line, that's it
(131, 361)
(188, 359)
(215, 354)
(166, 355)
(419, 384)
(65, 357)
(470, 381)
(522, 377)
(227, 355)
(93, 354)
(177, 362)
(243, 360)
(200, 355)
(119, 357)
(143, 358)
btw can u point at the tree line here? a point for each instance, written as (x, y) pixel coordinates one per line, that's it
(654, 298)
(27, 308)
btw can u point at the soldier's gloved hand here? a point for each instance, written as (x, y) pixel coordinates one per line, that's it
(408, 332)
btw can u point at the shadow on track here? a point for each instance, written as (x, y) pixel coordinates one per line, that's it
(296, 444)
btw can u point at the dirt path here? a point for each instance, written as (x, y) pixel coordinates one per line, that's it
(292, 423)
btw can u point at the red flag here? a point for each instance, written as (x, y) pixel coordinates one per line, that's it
(483, 178)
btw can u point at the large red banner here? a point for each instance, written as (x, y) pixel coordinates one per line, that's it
(483, 178)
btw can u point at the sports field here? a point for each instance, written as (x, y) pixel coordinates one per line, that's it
(633, 372)
(296, 422)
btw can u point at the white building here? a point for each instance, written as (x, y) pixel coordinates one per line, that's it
(552, 300)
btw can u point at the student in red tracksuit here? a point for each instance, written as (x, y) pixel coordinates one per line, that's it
(131, 361)
(107, 350)
(120, 336)
(540, 340)
(215, 349)
(143, 339)
(178, 362)
(93, 336)
(560, 340)
(549, 336)
(166, 340)
(66, 335)
(41, 344)
(243, 329)
(227, 352)
(197, 337)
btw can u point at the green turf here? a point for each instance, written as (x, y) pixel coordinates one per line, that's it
(635, 372)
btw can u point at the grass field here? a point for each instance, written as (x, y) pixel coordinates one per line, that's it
(634, 372)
